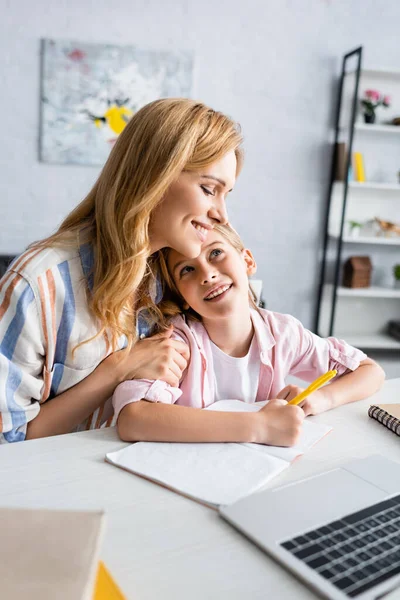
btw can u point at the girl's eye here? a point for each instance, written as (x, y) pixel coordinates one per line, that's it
(207, 191)
(185, 270)
(215, 252)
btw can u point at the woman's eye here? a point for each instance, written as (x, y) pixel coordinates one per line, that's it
(207, 191)
(185, 270)
(215, 252)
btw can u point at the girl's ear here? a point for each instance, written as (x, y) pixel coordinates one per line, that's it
(251, 265)
(185, 306)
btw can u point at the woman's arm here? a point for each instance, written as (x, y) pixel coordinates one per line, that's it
(157, 357)
(355, 385)
(276, 423)
(67, 410)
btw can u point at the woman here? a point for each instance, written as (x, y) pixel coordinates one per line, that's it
(73, 305)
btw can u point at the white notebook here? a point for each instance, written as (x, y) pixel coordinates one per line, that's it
(214, 473)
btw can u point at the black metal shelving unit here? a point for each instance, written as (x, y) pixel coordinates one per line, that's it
(353, 56)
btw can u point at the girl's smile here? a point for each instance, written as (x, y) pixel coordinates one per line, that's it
(218, 293)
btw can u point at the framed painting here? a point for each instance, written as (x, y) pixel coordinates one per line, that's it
(90, 91)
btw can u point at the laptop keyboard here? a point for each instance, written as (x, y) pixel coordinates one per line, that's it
(357, 552)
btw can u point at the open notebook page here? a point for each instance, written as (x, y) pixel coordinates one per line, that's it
(310, 435)
(213, 473)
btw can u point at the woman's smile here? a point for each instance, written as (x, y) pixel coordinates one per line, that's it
(201, 230)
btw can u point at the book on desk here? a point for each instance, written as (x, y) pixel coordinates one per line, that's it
(387, 414)
(53, 555)
(214, 473)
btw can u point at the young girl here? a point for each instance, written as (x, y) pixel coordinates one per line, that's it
(237, 351)
(70, 302)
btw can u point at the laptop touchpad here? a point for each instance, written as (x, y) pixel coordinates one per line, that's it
(295, 508)
(381, 471)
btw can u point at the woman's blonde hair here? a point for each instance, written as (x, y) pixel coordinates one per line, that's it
(173, 303)
(161, 140)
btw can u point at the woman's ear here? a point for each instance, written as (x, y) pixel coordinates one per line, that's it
(185, 306)
(251, 265)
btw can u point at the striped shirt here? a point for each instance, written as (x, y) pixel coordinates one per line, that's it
(44, 314)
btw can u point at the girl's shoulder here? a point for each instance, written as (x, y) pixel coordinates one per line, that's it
(279, 325)
(191, 331)
(275, 318)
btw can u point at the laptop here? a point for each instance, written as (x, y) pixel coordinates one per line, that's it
(338, 531)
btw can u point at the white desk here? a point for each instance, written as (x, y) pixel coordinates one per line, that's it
(158, 544)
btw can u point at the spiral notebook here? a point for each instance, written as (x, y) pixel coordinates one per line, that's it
(387, 414)
(214, 474)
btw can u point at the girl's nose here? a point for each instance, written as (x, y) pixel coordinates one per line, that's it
(218, 211)
(207, 276)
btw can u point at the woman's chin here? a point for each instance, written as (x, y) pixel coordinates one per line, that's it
(190, 251)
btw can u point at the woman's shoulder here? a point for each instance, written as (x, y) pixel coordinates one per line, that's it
(38, 261)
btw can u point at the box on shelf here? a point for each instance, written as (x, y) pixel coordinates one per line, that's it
(394, 329)
(340, 161)
(357, 272)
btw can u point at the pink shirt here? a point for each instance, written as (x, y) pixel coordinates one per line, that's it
(286, 348)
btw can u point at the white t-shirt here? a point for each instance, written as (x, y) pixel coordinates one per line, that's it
(236, 378)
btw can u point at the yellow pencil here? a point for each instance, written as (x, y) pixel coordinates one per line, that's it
(315, 385)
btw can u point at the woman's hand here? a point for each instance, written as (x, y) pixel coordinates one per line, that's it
(317, 402)
(156, 357)
(279, 424)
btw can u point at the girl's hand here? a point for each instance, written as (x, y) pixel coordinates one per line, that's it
(156, 357)
(280, 425)
(315, 403)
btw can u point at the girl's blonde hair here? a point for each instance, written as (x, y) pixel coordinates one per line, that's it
(173, 303)
(161, 140)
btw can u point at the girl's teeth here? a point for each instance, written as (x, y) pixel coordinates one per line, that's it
(218, 292)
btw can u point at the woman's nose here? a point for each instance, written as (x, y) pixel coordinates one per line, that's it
(218, 211)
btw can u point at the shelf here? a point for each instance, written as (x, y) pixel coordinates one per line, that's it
(369, 240)
(371, 185)
(377, 128)
(370, 292)
(378, 341)
(391, 73)
(381, 73)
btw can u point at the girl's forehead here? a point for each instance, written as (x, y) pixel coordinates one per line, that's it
(175, 257)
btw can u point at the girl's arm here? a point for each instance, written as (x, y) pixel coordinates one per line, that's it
(276, 424)
(354, 385)
(157, 357)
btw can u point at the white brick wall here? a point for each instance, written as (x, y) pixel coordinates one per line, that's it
(271, 64)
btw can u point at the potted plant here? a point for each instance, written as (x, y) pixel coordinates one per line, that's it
(354, 228)
(396, 273)
(372, 99)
